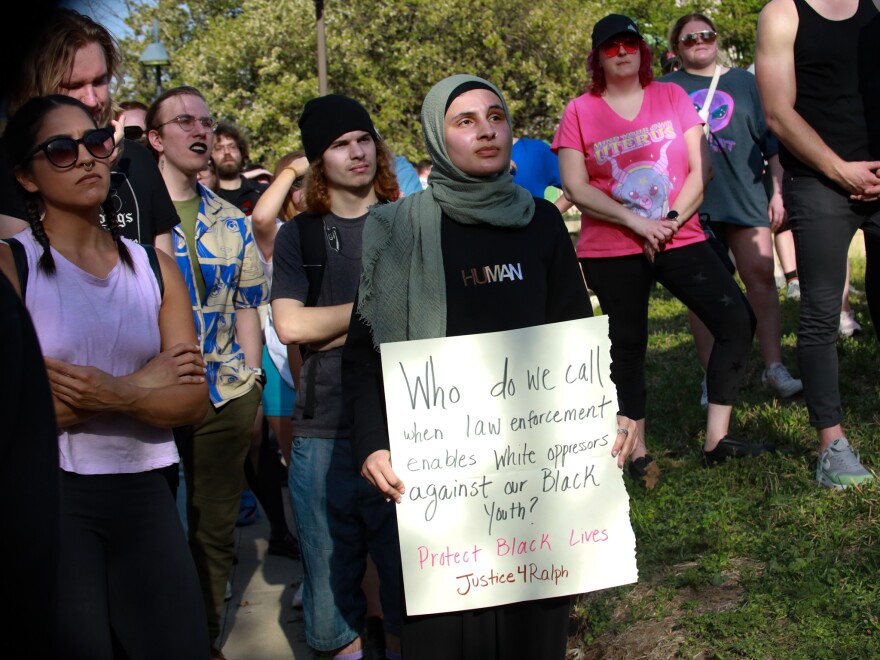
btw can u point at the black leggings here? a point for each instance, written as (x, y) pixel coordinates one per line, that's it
(128, 585)
(696, 276)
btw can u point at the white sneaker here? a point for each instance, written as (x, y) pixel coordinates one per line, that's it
(297, 602)
(704, 395)
(793, 290)
(849, 327)
(777, 377)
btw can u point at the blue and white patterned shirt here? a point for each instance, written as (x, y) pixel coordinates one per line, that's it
(230, 265)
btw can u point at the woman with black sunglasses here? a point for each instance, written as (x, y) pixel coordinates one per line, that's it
(104, 309)
(634, 160)
(735, 206)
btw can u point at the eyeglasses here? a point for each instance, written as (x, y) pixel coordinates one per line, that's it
(298, 182)
(707, 37)
(188, 122)
(64, 151)
(612, 48)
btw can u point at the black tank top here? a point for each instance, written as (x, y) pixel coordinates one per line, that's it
(837, 70)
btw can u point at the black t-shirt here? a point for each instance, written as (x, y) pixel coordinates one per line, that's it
(318, 409)
(140, 199)
(245, 197)
(542, 283)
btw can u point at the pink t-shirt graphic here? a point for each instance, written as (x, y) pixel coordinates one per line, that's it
(641, 164)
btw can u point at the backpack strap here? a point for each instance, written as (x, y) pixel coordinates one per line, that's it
(314, 252)
(19, 256)
(157, 269)
(314, 258)
(21, 265)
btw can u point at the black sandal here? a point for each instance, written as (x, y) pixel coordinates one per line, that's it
(638, 467)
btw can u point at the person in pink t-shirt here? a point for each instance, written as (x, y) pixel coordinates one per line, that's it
(633, 158)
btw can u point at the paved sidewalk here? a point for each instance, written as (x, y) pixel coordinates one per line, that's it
(259, 622)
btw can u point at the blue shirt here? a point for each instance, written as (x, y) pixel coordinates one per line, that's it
(230, 266)
(537, 167)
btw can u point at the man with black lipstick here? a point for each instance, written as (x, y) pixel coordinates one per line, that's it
(214, 247)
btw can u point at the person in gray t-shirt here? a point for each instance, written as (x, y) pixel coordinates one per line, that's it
(735, 207)
(340, 518)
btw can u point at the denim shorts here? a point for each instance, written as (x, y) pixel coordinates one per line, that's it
(340, 518)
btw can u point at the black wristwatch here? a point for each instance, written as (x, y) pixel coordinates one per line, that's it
(261, 376)
(672, 215)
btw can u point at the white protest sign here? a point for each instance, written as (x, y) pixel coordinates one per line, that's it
(503, 441)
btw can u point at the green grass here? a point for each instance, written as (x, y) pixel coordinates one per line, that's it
(752, 558)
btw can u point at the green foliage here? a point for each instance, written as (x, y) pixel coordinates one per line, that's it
(256, 60)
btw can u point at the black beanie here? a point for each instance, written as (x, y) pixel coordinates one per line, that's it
(325, 118)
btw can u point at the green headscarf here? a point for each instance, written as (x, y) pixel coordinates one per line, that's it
(403, 286)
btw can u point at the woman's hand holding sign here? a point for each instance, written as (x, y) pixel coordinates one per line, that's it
(377, 470)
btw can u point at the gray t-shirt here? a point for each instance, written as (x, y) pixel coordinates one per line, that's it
(318, 410)
(739, 141)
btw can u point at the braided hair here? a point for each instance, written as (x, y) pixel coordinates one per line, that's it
(20, 137)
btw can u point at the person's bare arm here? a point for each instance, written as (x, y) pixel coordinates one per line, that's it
(699, 173)
(165, 243)
(269, 205)
(775, 73)
(775, 207)
(378, 471)
(10, 226)
(249, 336)
(81, 392)
(563, 203)
(320, 327)
(595, 203)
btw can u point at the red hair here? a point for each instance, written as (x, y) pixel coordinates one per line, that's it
(597, 83)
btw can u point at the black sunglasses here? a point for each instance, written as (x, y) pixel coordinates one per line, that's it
(64, 151)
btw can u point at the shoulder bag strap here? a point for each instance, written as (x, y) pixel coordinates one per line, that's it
(704, 111)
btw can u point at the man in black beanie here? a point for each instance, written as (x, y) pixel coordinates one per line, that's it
(317, 265)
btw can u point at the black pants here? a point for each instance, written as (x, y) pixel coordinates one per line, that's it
(531, 630)
(127, 582)
(823, 223)
(697, 277)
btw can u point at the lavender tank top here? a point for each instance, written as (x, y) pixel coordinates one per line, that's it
(111, 323)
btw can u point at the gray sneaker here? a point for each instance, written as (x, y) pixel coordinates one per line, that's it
(839, 466)
(777, 377)
(793, 290)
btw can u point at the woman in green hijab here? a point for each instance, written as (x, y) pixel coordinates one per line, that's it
(423, 277)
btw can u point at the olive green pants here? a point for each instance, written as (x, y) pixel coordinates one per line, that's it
(213, 454)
